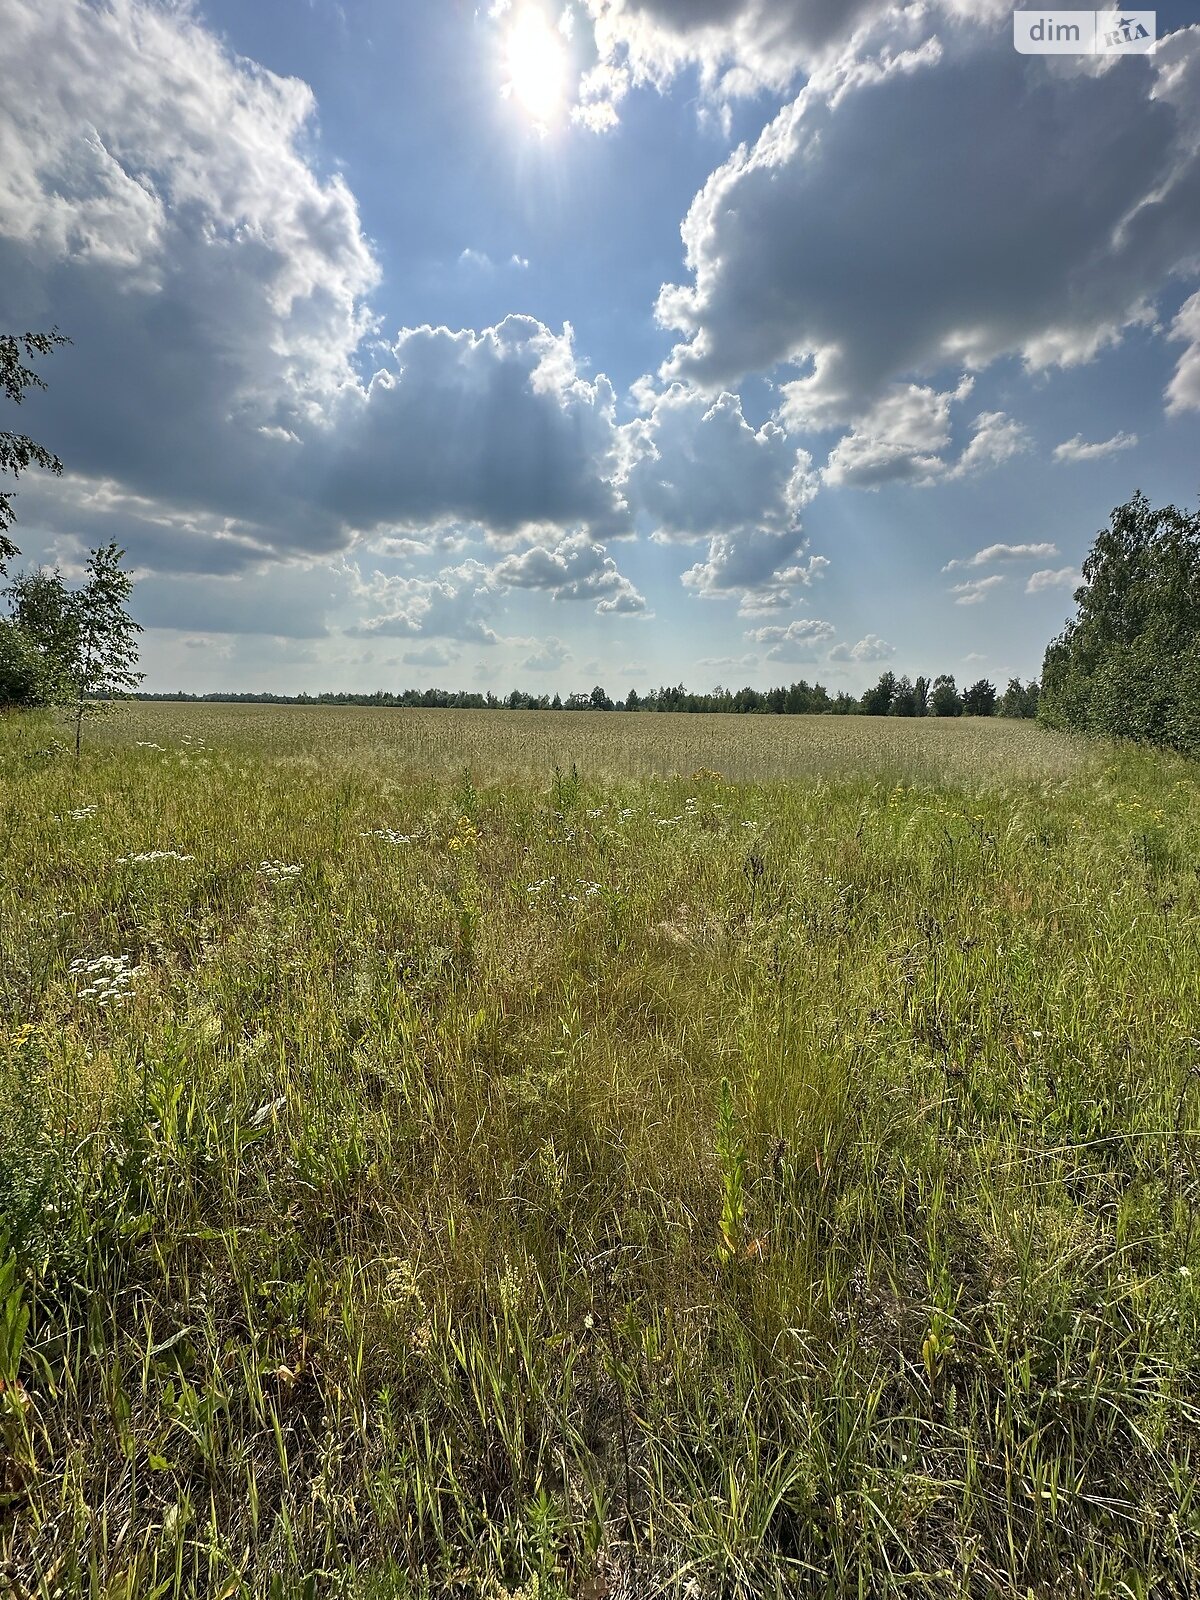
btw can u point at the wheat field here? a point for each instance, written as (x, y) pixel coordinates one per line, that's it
(583, 1155)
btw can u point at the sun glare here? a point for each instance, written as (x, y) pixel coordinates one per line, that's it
(537, 65)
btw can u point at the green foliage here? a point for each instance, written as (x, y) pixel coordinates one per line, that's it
(1128, 664)
(877, 702)
(979, 700)
(25, 675)
(945, 700)
(17, 451)
(908, 700)
(1020, 699)
(421, 1181)
(84, 637)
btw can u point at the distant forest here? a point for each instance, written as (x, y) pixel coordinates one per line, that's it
(890, 697)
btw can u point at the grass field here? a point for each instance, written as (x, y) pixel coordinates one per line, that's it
(761, 1161)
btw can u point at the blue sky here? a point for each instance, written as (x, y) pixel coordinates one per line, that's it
(621, 341)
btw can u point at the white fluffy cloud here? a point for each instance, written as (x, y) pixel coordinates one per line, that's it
(975, 590)
(1183, 392)
(955, 251)
(739, 47)
(698, 470)
(457, 604)
(1078, 449)
(900, 436)
(159, 201)
(573, 569)
(904, 434)
(869, 648)
(1060, 578)
(156, 203)
(795, 641)
(762, 568)
(993, 553)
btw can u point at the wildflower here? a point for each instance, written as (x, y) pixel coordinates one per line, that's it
(104, 978)
(80, 814)
(390, 834)
(278, 869)
(466, 837)
(157, 855)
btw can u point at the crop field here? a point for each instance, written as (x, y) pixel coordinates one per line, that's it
(570, 1156)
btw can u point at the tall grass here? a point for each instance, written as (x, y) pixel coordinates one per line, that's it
(469, 1177)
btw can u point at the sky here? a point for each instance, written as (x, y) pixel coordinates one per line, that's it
(545, 343)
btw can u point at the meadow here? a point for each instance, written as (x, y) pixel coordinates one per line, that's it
(581, 1155)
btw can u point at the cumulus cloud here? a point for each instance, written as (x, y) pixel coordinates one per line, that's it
(796, 641)
(902, 437)
(983, 248)
(869, 648)
(1183, 392)
(760, 567)
(169, 219)
(1077, 449)
(739, 47)
(1060, 578)
(456, 604)
(995, 438)
(429, 655)
(697, 468)
(974, 590)
(899, 437)
(547, 656)
(496, 427)
(992, 553)
(573, 569)
(169, 216)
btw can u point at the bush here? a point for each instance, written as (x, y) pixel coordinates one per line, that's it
(1128, 664)
(25, 677)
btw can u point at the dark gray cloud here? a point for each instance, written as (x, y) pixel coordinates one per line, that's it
(495, 427)
(1043, 230)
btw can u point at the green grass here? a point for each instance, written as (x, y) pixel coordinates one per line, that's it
(794, 1193)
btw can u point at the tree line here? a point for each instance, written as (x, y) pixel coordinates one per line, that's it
(1127, 665)
(891, 696)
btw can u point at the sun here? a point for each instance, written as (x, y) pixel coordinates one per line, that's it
(537, 66)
